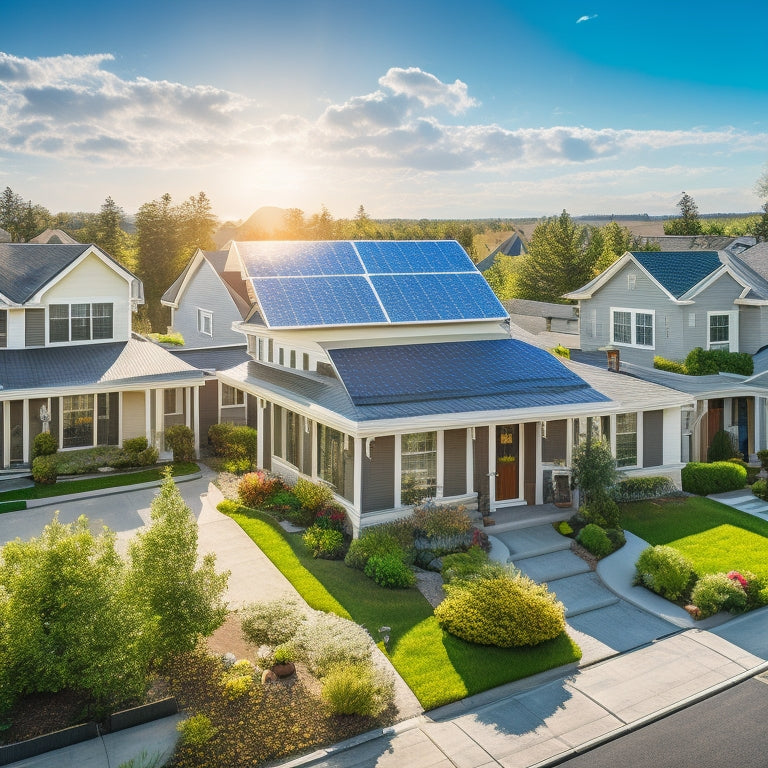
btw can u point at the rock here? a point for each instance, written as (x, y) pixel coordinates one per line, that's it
(694, 611)
(268, 676)
(229, 659)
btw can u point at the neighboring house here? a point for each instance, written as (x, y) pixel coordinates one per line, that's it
(543, 316)
(728, 243)
(386, 370)
(512, 246)
(54, 237)
(66, 345)
(667, 303)
(205, 299)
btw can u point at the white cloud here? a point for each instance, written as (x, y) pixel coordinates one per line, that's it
(428, 90)
(582, 19)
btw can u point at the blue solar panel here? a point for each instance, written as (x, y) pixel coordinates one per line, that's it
(297, 258)
(423, 298)
(388, 256)
(291, 302)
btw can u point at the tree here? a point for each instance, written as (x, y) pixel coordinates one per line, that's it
(67, 619)
(760, 229)
(502, 276)
(321, 225)
(608, 244)
(294, 225)
(594, 467)
(761, 185)
(557, 262)
(196, 224)
(688, 223)
(109, 233)
(187, 600)
(11, 211)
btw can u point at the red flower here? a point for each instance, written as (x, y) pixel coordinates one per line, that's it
(736, 576)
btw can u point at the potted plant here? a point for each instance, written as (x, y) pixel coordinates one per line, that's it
(282, 657)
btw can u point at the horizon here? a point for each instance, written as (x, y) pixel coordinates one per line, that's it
(423, 112)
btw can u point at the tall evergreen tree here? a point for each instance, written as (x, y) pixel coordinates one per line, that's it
(688, 223)
(558, 260)
(109, 232)
(196, 224)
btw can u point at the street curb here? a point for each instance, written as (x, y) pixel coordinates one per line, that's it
(34, 503)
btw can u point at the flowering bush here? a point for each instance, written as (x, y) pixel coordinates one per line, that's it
(326, 543)
(256, 487)
(717, 592)
(272, 622)
(444, 520)
(332, 517)
(326, 640)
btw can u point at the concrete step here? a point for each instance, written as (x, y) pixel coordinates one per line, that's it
(552, 566)
(531, 542)
(582, 593)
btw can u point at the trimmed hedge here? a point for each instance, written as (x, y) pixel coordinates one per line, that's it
(669, 365)
(642, 488)
(717, 477)
(666, 571)
(703, 362)
(594, 539)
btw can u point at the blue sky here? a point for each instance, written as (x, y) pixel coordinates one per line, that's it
(414, 109)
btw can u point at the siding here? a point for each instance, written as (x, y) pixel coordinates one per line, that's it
(378, 491)
(753, 328)
(206, 290)
(34, 327)
(653, 438)
(252, 410)
(266, 461)
(134, 424)
(719, 297)
(209, 408)
(481, 479)
(455, 464)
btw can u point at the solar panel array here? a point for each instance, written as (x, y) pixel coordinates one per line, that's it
(308, 284)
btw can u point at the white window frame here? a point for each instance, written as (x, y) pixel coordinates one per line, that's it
(70, 318)
(238, 393)
(638, 442)
(633, 327)
(733, 330)
(204, 315)
(178, 408)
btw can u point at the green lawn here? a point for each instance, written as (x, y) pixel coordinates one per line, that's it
(438, 667)
(64, 488)
(713, 536)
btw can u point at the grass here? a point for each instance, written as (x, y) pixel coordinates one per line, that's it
(92, 484)
(438, 667)
(715, 537)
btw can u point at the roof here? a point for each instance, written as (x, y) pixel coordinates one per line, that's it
(543, 309)
(54, 236)
(678, 271)
(365, 282)
(127, 362)
(25, 268)
(512, 246)
(669, 243)
(213, 358)
(756, 258)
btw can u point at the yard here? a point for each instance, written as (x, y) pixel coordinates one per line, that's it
(438, 667)
(713, 536)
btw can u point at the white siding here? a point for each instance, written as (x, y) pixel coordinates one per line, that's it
(134, 424)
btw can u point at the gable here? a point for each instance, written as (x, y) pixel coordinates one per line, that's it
(90, 278)
(678, 271)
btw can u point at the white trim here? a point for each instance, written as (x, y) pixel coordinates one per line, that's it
(440, 469)
(633, 327)
(177, 401)
(470, 459)
(202, 315)
(733, 329)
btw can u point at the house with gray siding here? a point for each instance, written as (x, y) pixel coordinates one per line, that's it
(69, 362)
(387, 371)
(667, 303)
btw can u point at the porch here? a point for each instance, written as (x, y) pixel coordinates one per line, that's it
(514, 517)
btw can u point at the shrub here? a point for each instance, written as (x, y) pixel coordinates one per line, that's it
(564, 528)
(669, 365)
(716, 592)
(594, 467)
(595, 539)
(717, 477)
(235, 686)
(326, 640)
(601, 510)
(359, 689)
(272, 622)
(44, 444)
(463, 564)
(256, 487)
(284, 653)
(443, 520)
(616, 537)
(763, 457)
(312, 496)
(175, 338)
(135, 444)
(721, 448)
(664, 570)
(641, 488)
(373, 541)
(389, 571)
(562, 351)
(501, 608)
(45, 469)
(703, 362)
(147, 457)
(181, 440)
(282, 501)
(237, 444)
(332, 517)
(325, 543)
(759, 488)
(196, 730)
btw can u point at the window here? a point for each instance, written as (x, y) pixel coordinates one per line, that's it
(281, 356)
(335, 460)
(719, 331)
(80, 322)
(418, 466)
(293, 358)
(632, 327)
(293, 432)
(231, 396)
(277, 431)
(691, 319)
(626, 439)
(631, 281)
(172, 399)
(305, 361)
(77, 421)
(3, 328)
(205, 322)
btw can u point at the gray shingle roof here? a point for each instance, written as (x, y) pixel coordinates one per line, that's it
(691, 242)
(213, 358)
(540, 309)
(26, 267)
(111, 364)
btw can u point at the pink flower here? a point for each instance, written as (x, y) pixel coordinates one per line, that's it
(736, 576)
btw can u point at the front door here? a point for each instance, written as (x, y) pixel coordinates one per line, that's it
(507, 463)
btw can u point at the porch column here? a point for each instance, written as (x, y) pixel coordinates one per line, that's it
(471, 460)
(196, 418)
(119, 418)
(259, 431)
(313, 431)
(492, 466)
(440, 479)
(672, 430)
(187, 406)
(7, 433)
(358, 489)
(539, 470)
(148, 415)
(25, 430)
(758, 419)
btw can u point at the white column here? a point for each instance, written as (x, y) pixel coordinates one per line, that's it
(398, 469)
(61, 422)
(539, 470)
(7, 433)
(196, 418)
(148, 415)
(470, 460)
(758, 417)
(313, 437)
(492, 466)
(357, 496)
(218, 401)
(440, 479)
(25, 431)
(187, 406)
(671, 435)
(119, 418)
(259, 431)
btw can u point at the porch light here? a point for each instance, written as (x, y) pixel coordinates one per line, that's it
(543, 430)
(369, 441)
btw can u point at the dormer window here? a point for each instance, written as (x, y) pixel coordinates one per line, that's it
(205, 322)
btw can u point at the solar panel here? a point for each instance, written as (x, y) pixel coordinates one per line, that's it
(291, 302)
(298, 258)
(423, 298)
(393, 256)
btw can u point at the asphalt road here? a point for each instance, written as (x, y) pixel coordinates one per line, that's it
(727, 730)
